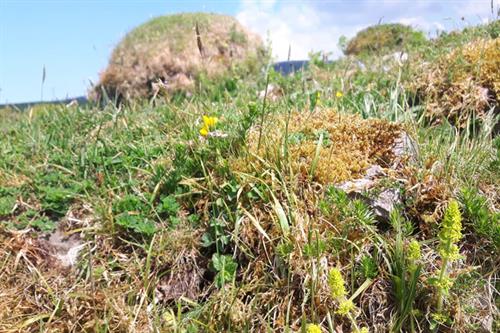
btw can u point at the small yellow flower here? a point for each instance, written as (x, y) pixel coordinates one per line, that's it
(313, 328)
(451, 253)
(363, 330)
(414, 253)
(336, 283)
(339, 94)
(445, 284)
(451, 229)
(204, 131)
(208, 124)
(439, 317)
(209, 121)
(345, 307)
(318, 98)
(169, 318)
(451, 232)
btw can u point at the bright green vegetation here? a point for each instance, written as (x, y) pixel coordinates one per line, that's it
(243, 229)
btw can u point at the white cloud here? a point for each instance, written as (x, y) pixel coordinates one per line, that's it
(297, 24)
(422, 23)
(318, 25)
(476, 8)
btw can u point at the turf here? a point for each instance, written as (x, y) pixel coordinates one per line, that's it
(222, 212)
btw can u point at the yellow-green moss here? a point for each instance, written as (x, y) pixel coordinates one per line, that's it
(350, 145)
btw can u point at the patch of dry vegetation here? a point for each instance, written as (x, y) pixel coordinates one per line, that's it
(348, 146)
(224, 212)
(461, 83)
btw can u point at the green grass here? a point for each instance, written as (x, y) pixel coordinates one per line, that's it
(172, 28)
(180, 238)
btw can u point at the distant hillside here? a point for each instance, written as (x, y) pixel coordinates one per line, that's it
(82, 100)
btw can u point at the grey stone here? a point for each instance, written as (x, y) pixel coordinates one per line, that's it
(382, 205)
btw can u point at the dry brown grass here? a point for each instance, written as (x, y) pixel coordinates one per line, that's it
(164, 55)
(108, 291)
(465, 81)
(429, 192)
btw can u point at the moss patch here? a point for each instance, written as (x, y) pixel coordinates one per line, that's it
(349, 145)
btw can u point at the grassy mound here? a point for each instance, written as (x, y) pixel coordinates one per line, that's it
(167, 54)
(384, 38)
(464, 82)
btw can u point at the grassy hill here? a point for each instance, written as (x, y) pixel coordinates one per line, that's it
(176, 54)
(326, 201)
(384, 38)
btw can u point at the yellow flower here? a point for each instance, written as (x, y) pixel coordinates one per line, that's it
(345, 307)
(445, 284)
(451, 229)
(169, 318)
(318, 97)
(339, 94)
(336, 283)
(363, 330)
(451, 232)
(208, 124)
(414, 253)
(439, 317)
(209, 121)
(313, 328)
(451, 253)
(204, 131)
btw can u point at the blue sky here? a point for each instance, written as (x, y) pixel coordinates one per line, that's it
(73, 39)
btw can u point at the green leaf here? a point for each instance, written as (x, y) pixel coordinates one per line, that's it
(129, 203)
(136, 223)
(280, 212)
(44, 224)
(169, 206)
(225, 267)
(55, 200)
(6, 204)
